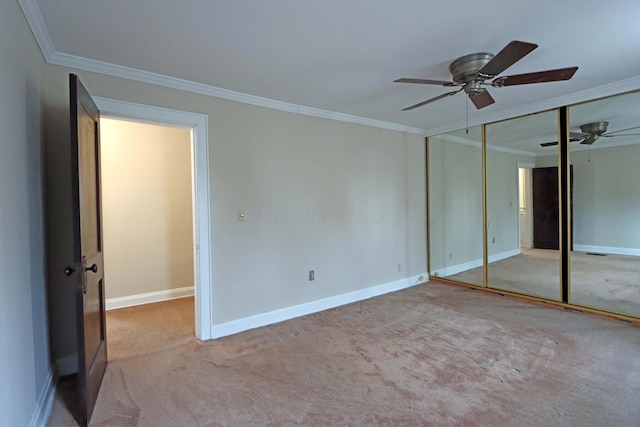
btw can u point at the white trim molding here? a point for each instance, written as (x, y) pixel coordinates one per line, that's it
(607, 250)
(199, 124)
(45, 401)
(39, 29)
(128, 73)
(459, 268)
(478, 144)
(149, 297)
(34, 18)
(276, 316)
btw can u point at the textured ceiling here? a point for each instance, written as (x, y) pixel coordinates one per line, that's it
(343, 55)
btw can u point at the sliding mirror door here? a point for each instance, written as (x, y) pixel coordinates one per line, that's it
(605, 262)
(523, 205)
(455, 206)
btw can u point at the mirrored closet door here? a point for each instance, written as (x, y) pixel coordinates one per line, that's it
(523, 205)
(605, 154)
(455, 206)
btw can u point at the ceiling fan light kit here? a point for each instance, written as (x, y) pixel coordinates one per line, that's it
(472, 72)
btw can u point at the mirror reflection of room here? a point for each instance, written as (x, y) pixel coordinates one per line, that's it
(523, 215)
(605, 148)
(522, 206)
(455, 200)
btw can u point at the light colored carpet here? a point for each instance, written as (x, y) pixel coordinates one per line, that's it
(149, 328)
(610, 282)
(432, 355)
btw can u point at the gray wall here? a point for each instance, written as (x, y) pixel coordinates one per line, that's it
(455, 193)
(455, 201)
(345, 200)
(606, 196)
(503, 202)
(24, 345)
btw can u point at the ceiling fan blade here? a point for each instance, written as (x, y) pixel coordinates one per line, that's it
(590, 140)
(424, 82)
(428, 101)
(621, 130)
(573, 137)
(539, 77)
(626, 134)
(509, 55)
(482, 99)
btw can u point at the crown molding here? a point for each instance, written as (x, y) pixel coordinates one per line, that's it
(36, 22)
(34, 18)
(460, 140)
(477, 144)
(129, 73)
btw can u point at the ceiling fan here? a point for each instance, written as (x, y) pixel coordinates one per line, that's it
(472, 71)
(591, 132)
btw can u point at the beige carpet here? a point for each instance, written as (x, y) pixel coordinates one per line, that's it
(610, 282)
(149, 328)
(432, 355)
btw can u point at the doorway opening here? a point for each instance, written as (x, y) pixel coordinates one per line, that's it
(199, 190)
(525, 211)
(147, 211)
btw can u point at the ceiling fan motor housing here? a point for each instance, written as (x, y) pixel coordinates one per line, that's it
(472, 71)
(597, 128)
(465, 69)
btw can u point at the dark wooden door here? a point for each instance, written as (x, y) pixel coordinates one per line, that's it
(546, 208)
(87, 243)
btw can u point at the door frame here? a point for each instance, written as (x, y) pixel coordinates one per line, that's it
(529, 204)
(201, 200)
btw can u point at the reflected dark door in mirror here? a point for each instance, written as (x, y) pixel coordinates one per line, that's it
(546, 215)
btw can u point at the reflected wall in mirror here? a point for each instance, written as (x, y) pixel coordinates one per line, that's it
(522, 205)
(455, 206)
(605, 263)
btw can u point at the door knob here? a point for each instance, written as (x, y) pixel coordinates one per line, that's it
(93, 268)
(68, 271)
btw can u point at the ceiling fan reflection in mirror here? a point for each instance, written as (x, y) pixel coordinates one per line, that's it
(591, 132)
(472, 72)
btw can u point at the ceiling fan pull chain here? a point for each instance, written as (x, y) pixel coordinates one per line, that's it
(467, 111)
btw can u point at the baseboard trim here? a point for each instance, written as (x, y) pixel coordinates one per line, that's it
(276, 316)
(607, 250)
(149, 297)
(45, 401)
(459, 268)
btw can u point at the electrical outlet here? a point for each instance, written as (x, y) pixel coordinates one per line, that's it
(493, 240)
(450, 255)
(399, 267)
(312, 275)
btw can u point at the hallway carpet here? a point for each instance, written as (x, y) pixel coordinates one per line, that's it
(431, 355)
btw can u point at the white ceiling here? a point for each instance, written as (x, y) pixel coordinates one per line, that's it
(342, 56)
